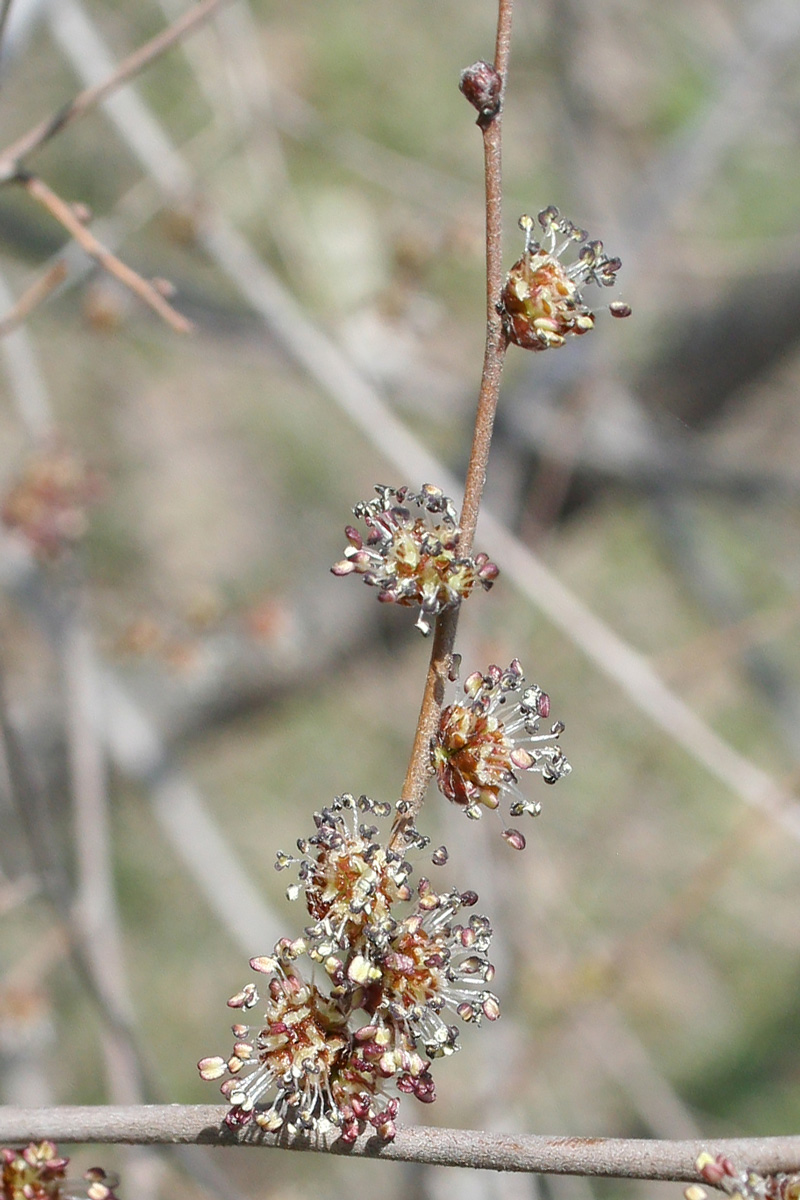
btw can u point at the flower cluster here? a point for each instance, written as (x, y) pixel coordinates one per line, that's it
(541, 301)
(411, 552)
(38, 1172)
(399, 967)
(720, 1173)
(48, 502)
(477, 753)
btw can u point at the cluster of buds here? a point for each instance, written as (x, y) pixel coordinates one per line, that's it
(398, 965)
(484, 740)
(38, 1172)
(411, 552)
(721, 1173)
(541, 302)
(48, 503)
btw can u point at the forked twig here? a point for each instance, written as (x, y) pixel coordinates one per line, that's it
(65, 215)
(33, 296)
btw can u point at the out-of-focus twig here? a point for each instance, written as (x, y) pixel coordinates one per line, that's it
(137, 749)
(5, 9)
(25, 378)
(65, 215)
(95, 909)
(33, 296)
(88, 99)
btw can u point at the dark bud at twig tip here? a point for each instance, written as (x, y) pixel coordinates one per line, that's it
(482, 86)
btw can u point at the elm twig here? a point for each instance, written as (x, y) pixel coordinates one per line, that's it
(33, 296)
(64, 213)
(490, 124)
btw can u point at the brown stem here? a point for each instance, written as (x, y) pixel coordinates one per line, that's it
(419, 767)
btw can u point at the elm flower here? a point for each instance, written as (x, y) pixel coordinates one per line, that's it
(38, 1172)
(721, 1173)
(302, 1066)
(348, 876)
(397, 968)
(289, 1057)
(541, 301)
(411, 552)
(379, 1053)
(415, 970)
(482, 743)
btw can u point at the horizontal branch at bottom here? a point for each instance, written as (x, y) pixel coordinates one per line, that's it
(631, 1158)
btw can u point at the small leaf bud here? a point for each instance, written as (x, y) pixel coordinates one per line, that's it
(483, 86)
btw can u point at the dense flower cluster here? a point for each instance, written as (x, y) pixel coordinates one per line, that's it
(48, 503)
(483, 741)
(38, 1172)
(399, 968)
(541, 300)
(720, 1173)
(411, 552)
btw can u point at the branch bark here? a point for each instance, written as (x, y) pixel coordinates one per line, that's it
(625, 1158)
(88, 99)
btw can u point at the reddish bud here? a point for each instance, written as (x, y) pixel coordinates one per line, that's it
(483, 87)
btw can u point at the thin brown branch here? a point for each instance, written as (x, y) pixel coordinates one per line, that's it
(65, 215)
(88, 99)
(33, 296)
(628, 1158)
(322, 359)
(419, 766)
(439, 667)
